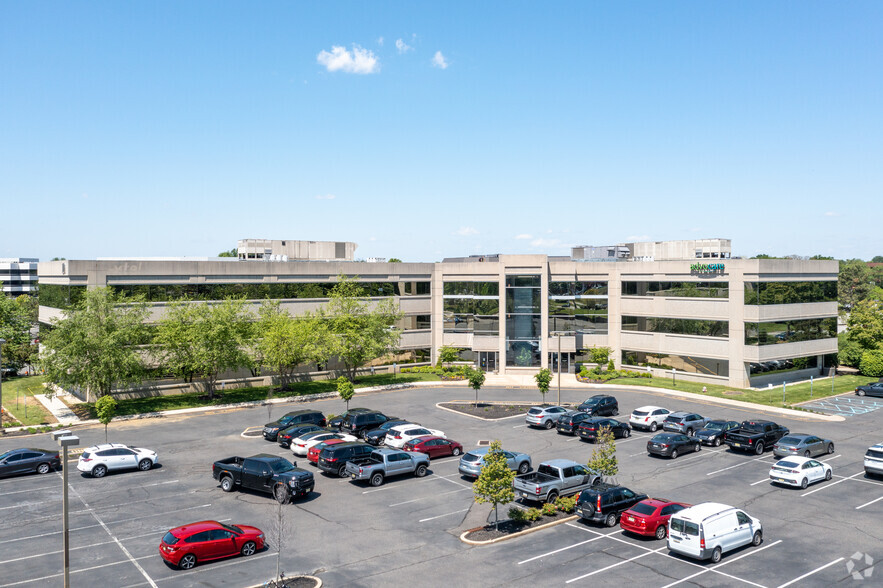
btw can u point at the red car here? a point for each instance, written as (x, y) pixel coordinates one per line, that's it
(207, 540)
(650, 517)
(313, 452)
(434, 446)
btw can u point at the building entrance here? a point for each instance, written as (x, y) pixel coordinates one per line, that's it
(567, 363)
(488, 360)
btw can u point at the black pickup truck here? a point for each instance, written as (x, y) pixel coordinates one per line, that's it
(754, 436)
(265, 473)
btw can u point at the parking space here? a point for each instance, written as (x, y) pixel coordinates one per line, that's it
(845, 405)
(356, 535)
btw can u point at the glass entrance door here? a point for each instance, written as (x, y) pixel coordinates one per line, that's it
(488, 360)
(567, 362)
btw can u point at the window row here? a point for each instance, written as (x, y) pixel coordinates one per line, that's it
(677, 289)
(681, 363)
(577, 288)
(676, 326)
(790, 331)
(471, 289)
(790, 292)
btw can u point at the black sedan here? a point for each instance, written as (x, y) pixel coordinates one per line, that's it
(589, 429)
(569, 422)
(870, 389)
(28, 461)
(378, 436)
(713, 432)
(285, 436)
(672, 445)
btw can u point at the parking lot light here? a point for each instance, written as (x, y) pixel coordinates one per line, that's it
(65, 440)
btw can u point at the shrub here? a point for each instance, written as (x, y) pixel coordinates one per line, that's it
(872, 363)
(566, 504)
(610, 366)
(517, 515)
(549, 509)
(533, 514)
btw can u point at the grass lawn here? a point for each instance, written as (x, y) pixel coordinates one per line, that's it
(794, 393)
(19, 401)
(158, 403)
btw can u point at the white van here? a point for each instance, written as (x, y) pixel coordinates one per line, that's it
(874, 460)
(707, 530)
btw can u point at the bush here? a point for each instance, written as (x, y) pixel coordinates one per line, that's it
(549, 509)
(848, 352)
(872, 363)
(533, 514)
(517, 515)
(610, 366)
(566, 504)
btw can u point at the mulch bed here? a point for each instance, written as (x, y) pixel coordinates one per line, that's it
(488, 532)
(487, 410)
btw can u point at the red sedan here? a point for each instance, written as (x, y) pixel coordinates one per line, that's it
(207, 540)
(434, 446)
(313, 452)
(650, 517)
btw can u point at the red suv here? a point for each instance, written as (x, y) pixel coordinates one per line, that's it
(433, 446)
(650, 517)
(185, 546)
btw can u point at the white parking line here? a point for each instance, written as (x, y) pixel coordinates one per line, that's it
(565, 548)
(72, 572)
(806, 575)
(519, 426)
(428, 497)
(860, 480)
(729, 561)
(625, 561)
(214, 567)
(461, 484)
(426, 479)
(829, 485)
(830, 458)
(760, 481)
(443, 515)
(738, 465)
(869, 503)
(32, 556)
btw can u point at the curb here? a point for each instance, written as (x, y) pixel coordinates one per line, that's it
(439, 406)
(514, 535)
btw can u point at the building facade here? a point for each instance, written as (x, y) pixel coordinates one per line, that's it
(715, 319)
(18, 275)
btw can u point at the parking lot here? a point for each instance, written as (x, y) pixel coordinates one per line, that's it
(407, 530)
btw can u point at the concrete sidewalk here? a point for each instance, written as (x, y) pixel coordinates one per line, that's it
(58, 409)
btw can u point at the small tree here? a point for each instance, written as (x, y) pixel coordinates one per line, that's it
(447, 354)
(544, 380)
(600, 355)
(279, 532)
(345, 390)
(476, 380)
(603, 460)
(106, 409)
(494, 484)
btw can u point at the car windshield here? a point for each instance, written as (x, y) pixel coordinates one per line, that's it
(789, 441)
(674, 419)
(715, 425)
(644, 508)
(548, 470)
(471, 457)
(662, 438)
(169, 539)
(639, 413)
(786, 464)
(682, 526)
(85, 455)
(752, 427)
(592, 401)
(874, 453)
(535, 411)
(233, 528)
(7, 454)
(281, 466)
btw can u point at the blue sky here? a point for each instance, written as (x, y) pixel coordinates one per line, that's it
(424, 131)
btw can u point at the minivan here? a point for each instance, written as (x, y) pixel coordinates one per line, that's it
(708, 530)
(874, 460)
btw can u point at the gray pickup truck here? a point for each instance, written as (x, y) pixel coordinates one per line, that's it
(383, 463)
(558, 477)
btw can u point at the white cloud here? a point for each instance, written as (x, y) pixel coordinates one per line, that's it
(403, 47)
(829, 213)
(545, 243)
(523, 236)
(438, 60)
(466, 231)
(359, 61)
(325, 197)
(380, 41)
(638, 238)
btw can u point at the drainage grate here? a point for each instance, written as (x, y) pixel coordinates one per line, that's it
(483, 443)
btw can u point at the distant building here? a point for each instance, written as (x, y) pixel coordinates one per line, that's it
(18, 275)
(273, 250)
(655, 251)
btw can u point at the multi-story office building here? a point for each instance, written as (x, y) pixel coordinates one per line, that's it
(18, 275)
(709, 318)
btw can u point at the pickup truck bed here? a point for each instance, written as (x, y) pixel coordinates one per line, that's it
(558, 477)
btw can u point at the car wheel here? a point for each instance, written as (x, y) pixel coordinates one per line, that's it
(653, 427)
(99, 471)
(626, 433)
(660, 532)
(187, 562)
(549, 424)
(227, 484)
(420, 471)
(674, 453)
(341, 471)
(860, 392)
(828, 475)
(804, 483)
(281, 494)
(523, 468)
(758, 449)
(144, 465)
(249, 548)
(716, 555)
(757, 539)
(455, 451)
(615, 412)
(377, 480)
(611, 519)
(830, 448)
(552, 496)
(697, 447)
(43, 468)
(717, 442)
(806, 453)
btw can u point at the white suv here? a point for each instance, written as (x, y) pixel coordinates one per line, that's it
(874, 460)
(648, 417)
(396, 437)
(100, 459)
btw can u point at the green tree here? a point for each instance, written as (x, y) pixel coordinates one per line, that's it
(232, 253)
(360, 329)
(395, 260)
(877, 259)
(95, 347)
(285, 342)
(865, 324)
(599, 355)
(544, 380)
(476, 381)
(872, 363)
(848, 352)
(106, 409)
(854, 283)
(17, 317)
(603, 460)
(494, 483)
(345, 390)
(203, 340)
(447, 354)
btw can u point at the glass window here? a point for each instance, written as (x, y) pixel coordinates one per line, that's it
(523, 353)
(676, 326)
(532, 281)
(772, 333)
(790, 292)
(677, 289)
(685, 363)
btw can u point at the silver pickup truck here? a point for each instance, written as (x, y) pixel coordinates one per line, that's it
(383, 463)
(558, 477)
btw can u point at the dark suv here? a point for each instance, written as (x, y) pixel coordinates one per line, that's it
(337, 421)
(600, 405)
(284, 436)
(359, 423)
(605, 502)
(298, 417)
(332, 459)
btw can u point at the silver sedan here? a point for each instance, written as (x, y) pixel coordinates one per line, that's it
(802, 444)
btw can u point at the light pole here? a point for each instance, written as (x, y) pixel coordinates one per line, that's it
(65, 440)
(558, 335)
(2, 343)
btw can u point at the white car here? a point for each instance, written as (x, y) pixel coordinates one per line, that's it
(107, 457)
(301, 445)
(397, 436)
(648, 417)
(799, 471)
